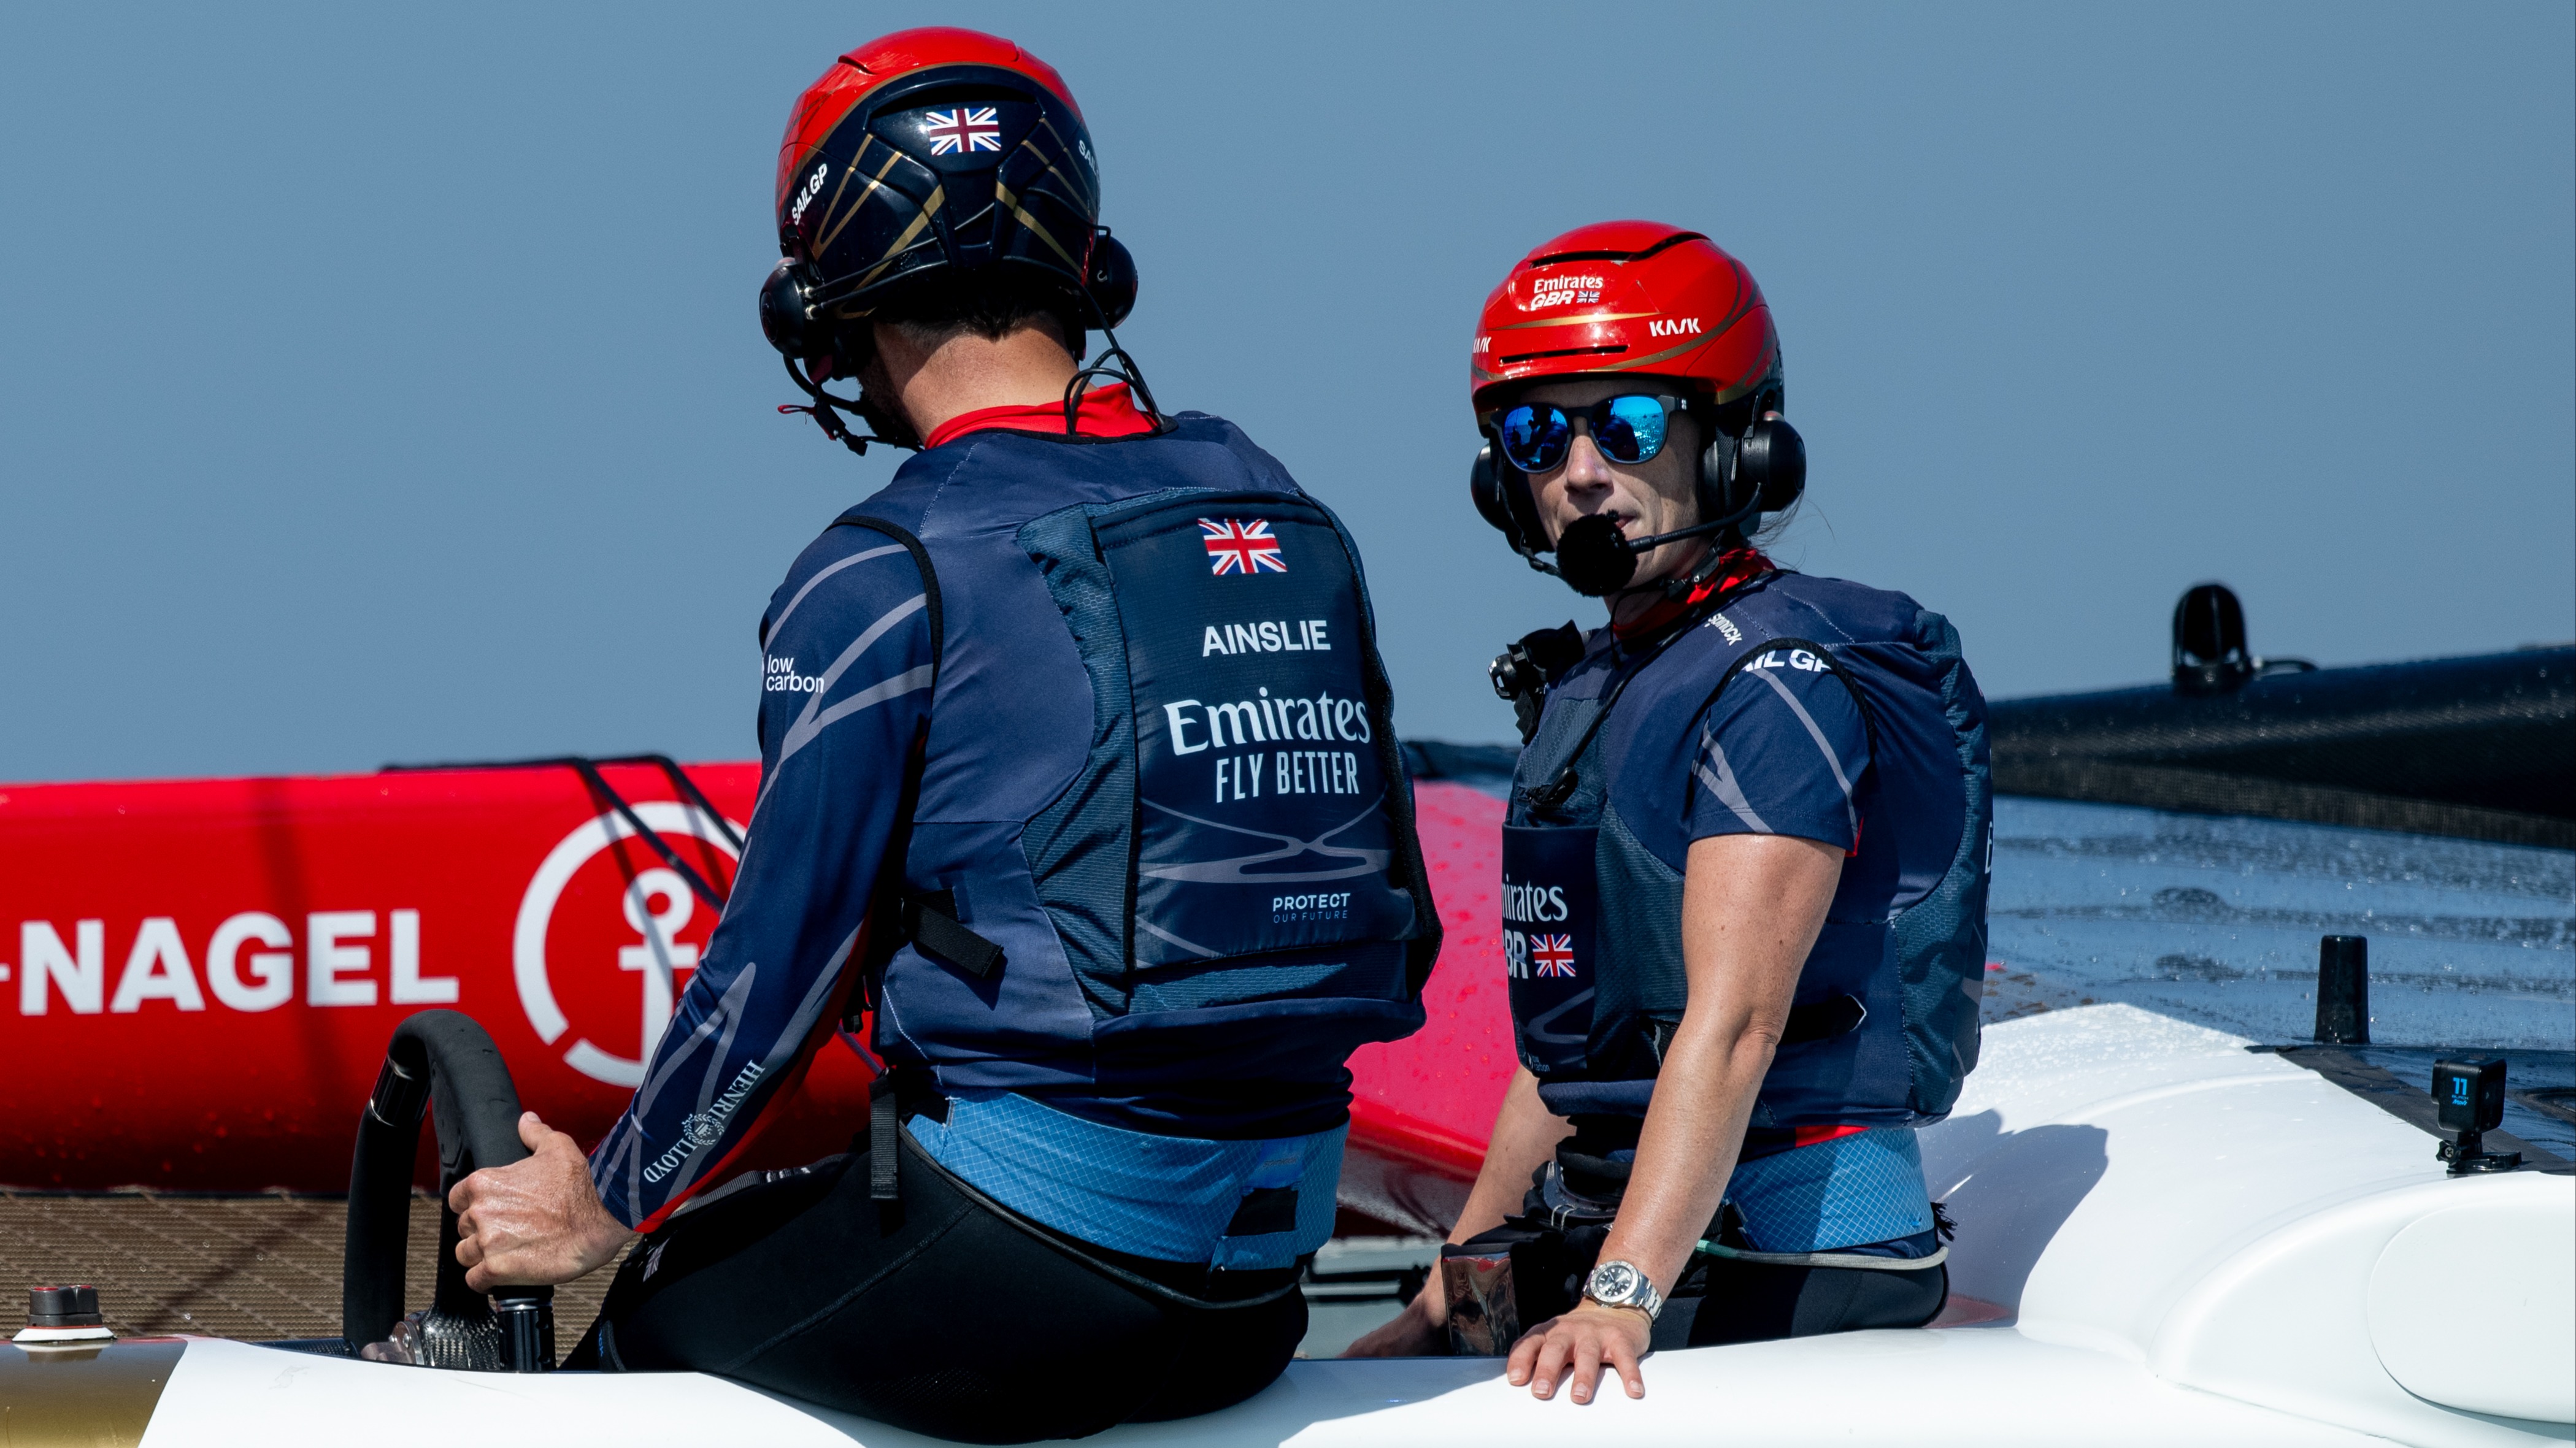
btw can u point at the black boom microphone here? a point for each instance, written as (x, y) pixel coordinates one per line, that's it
(1595, 558)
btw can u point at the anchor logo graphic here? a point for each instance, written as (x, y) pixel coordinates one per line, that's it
(657, 905)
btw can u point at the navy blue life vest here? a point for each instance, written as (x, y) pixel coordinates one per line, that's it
(1884, 1023)
(1161, 866)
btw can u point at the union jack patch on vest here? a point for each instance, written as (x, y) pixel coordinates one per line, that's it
(1553, 955)
(1242, 545)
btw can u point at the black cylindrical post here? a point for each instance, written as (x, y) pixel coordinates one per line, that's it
(527, 1319)
(2343, 990)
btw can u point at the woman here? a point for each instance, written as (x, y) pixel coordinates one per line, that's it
(1744, 866)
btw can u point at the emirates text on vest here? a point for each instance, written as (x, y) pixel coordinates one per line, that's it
(1265, 720)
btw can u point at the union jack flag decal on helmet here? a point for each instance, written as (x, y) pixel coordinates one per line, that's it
(1553, 955)
(1242, 545)
(962, 130)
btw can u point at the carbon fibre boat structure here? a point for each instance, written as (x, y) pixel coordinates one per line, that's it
(2480, 747)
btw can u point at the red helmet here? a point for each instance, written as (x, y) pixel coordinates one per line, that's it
(1628, 296)
(1642, 297)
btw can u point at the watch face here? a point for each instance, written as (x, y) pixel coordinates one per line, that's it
(1615, 1283)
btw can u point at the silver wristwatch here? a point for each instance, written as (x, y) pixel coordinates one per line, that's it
(1624, 1284)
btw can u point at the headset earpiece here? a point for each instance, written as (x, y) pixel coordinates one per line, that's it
(1502, 497)
(1719, 496)
(1487, 490)
(1773, 459)
(788, 316)
(1110, 278)
(1763, 471)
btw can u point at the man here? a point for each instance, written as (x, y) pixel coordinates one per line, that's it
(1084, 787)
(1744, 865)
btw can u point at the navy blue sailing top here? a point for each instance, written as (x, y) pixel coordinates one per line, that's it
(845, 684)
(1145, 1140)
(1782, 748)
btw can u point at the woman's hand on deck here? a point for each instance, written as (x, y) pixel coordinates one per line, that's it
(1573, 1349)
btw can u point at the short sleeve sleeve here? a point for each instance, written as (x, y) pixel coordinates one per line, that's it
(1779, 752)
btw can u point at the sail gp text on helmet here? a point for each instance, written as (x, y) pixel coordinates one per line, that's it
(813, 188)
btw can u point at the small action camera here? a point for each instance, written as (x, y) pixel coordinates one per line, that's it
(2468, 1098)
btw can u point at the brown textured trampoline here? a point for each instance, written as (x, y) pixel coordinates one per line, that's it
(253, 1267)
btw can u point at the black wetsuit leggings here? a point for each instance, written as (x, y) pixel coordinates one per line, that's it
(1718, 1300)
(943, 1313)
(1730, 1301)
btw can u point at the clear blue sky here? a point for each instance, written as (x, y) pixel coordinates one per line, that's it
(382, 382)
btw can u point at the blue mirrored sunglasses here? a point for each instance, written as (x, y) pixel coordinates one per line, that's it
(1628, 429)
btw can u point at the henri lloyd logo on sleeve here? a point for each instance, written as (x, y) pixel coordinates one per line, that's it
(1261, 803)
(705, 1128)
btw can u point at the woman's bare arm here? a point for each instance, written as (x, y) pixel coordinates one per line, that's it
(1752, 906)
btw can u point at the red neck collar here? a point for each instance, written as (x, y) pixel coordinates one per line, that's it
(1735, 567)
(1104, 412)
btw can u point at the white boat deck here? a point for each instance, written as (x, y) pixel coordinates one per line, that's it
(2189, 1242)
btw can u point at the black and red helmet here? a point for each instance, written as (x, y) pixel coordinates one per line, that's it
(933, 152)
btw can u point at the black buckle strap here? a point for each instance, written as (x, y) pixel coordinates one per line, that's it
(885, 1123)
(931, 922)
(1823, 1020)
(1815, 1021)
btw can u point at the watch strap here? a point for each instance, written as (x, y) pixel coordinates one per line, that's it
(1644, 1297)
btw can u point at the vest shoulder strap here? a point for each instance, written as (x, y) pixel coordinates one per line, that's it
(927, 921)
(855, 518)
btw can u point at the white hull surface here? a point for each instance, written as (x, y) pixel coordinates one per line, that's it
(2184, 1241)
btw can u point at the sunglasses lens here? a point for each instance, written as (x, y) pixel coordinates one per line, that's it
(1629, 429)
(1534, 438)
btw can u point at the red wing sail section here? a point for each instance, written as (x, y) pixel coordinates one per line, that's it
(198, 977)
